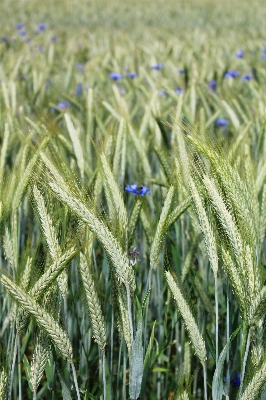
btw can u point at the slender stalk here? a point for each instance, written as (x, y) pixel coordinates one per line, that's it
(216, 317)
(124, 373)
(147, 308)
(194, 391)
(227, 333)
(129, 314)
(118, 368)
(100, 369)
(13, 368)
(75, 380)
(112, 342)
(104, 376)
(19, 370)
(244, 363)
(205, 381)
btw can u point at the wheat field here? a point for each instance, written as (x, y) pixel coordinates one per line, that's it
(132, 200)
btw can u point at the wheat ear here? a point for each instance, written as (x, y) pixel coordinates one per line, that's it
(3, 384)
(162, 228)
(111, 187)
(189, 320)
(44, 320)
(39, 358)
(226, 219)
(133, 220)
(252, 391)
(51, 239)
(206, 229)
(4, 153)
(73, 133)
(44, 282)
(95, 312)
(119, 258)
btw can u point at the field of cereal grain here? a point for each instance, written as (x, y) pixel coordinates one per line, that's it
(132, 200)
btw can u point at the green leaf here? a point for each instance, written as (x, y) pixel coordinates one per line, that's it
(50, 372)
(27, 370)
(211, 345)
(217, 383)
(65, 391)
(147, 359)
(136, 364)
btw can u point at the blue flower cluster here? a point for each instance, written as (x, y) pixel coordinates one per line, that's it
(221, 122)
(157, 66)
(137, 190)
(240, 54)
(235, 381)
(232, 74)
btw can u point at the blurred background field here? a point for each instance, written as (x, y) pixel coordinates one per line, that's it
(98, 95)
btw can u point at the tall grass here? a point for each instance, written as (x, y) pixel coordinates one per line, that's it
(107, 294)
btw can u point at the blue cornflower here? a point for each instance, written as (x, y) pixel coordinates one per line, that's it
(41, 48)
(212, 84)
(79, 90)
(263, 57)
(132, 75)
(247, 77)
(181, 71)
(19, 26)
(157, 66)
(4, 39)
(137, 190)
(63, 104)
(179, 90)
(240, 54)
(22, 32)
(221, 122)
(27, 40)
(235, 380)
(232, 74)
(54, 39)
(41, 27)
(115, 76)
